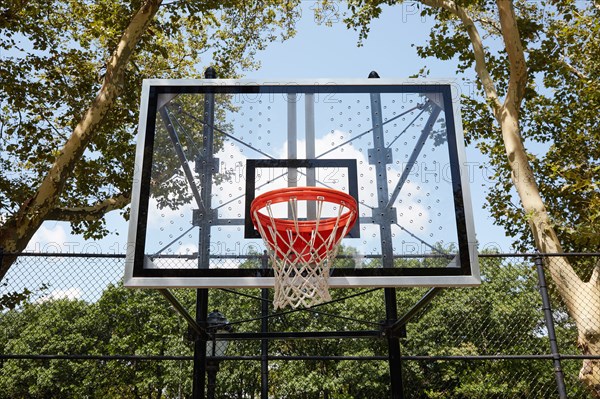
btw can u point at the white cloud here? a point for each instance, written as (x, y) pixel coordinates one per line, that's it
(51, 237)
(69, 293)
(163, 217)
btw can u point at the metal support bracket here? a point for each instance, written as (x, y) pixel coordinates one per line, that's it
(202, 163)
(393, 330)
(198, 217)
(383, 215)
(378, 156)
(399, 326)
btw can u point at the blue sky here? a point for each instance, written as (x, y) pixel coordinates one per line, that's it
(332, 51)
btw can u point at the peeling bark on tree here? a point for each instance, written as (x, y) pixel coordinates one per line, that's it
(18, 229)
(582, 299)
(587, 316)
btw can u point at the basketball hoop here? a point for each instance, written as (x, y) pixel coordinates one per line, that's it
(302, 251)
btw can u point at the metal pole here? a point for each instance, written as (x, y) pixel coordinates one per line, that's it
(394, 354)
(292, 140)
(199, 331)
(212, 368)
(558, 373)
(380, 156)
(205, 164)
(309, 125)
(199, 377)
(264, 343)
(399, 325)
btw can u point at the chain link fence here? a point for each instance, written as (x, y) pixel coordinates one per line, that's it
(74, 331)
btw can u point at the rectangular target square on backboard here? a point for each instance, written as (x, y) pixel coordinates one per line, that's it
(264, 175)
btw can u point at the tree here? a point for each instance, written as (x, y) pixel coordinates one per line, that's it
(71, 77)
(121, 322)
(535, 76)
(502, 316)
(312, 379)
(52, 327)
(140, 322)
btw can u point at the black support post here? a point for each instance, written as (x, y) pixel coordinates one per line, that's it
(212, 368)
(198, 383)
(558, 373)
(264, 343)
(394, 355)
(205, 167)
(380, 156)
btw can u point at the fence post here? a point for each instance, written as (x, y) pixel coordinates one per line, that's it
(264, 343)
(394, 355)
(199, 373)
(558, 373)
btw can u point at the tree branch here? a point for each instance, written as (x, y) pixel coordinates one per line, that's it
(516, 56)
(478, 50)
(491, 24)
(574, 70)
(89, 213)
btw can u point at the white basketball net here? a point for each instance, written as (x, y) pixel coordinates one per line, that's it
(302, 273)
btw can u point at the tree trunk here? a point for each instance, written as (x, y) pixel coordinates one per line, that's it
(18, 229)
(587, 317)
(582, 299)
